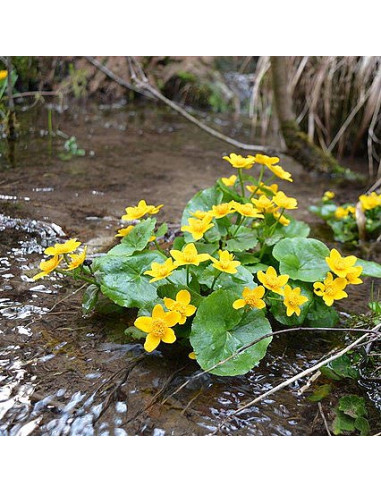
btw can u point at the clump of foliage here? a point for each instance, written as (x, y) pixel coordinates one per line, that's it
(342, 218)
(241, 262)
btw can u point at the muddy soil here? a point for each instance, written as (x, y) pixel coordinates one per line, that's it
(66, 374)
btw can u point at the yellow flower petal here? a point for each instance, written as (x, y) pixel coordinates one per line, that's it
(151, 342)
(144, 323)
(169, 336)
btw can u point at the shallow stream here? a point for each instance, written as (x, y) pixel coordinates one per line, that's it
(65, 374)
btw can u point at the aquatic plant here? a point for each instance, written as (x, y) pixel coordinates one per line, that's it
(240, 263)
(351, 221)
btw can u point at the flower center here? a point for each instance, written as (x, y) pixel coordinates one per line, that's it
(251, 300)
(198, 226)
(158, 328)
(247, 208)
(340, 265)
(189, 257)
(293, 300)
(163, 270)
(329, 291)
(179, 308)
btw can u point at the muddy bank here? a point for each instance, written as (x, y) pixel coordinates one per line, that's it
(65, 374)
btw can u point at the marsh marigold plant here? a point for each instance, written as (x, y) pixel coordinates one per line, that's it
(239, 264)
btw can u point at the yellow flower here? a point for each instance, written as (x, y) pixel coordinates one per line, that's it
(281, 173)
(339, 264)
(188, 256)
(331, 290)
(61, 249)
(293, 299)
(192, 355)
(272, 281)
(229, 181)
(158, 326)
(281, 219)
(262, 188)
(77, 260)
(264, 204)
(251, 298)
(198, 227)
(181, 305)
(370, 201)
(284, 201)
(240, 162)
(221, 210)
(352, 276)
(226, 262)
(201, 214)
(265, 160)
(328, 195)
(160, 270)
(134, 213)
(341, 213)
(47, 266)
(3, 74)
(247, 210)
(125, 231)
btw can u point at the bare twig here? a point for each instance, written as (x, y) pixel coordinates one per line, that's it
(298, 376)
(142, 86)
(245, 347)
(324, 419)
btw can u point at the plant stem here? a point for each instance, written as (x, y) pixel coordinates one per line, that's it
(214, 281)
(78, 277)
(159, 248)
(187, 267)
(241, 182)
(259, 182)
(276, 223)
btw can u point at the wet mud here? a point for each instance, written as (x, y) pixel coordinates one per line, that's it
(62, 373)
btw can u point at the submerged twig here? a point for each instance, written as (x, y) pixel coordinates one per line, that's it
(324, 419)
(245, 347)
(298, 376)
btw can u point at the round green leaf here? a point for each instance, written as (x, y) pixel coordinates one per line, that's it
(136, 240)
(202, 200)
(122, 278)
(219, 331)
(302, 258)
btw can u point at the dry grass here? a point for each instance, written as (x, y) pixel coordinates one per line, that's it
(337, 102)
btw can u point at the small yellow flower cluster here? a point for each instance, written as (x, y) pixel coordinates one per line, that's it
(159, 326)
(190, 256)
(292, 298)
(342, 212)
(240, 162)
(58, 253)
(368, 202)
(347, 273)
(136, 213)
(3, 74)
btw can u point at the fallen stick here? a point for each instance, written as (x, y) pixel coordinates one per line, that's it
(142, 86)
(296, 378)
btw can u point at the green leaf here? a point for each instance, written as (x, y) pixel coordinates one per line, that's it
(202, 200)
(370, 268)
(321, 315)
(340, 368)
(296, 228)
(246, 239)
(136, 240)
(353, 405)
(320, 392)
(363, 426)
(162, 230)
(229, 192)
(302, 258)
(122, 278)
(324, 211)
(178, 243)
(247, 258)
(219, 331)
(90, 298)
(342, 423)
(279, 310)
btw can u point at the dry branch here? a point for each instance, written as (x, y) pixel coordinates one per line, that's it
(142, 86)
